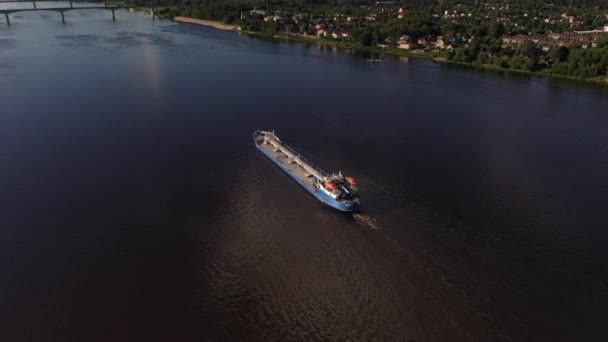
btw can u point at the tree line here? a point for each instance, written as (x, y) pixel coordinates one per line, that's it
(474, 40)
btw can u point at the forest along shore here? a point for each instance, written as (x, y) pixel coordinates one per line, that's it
(215, 24)
(383, 50)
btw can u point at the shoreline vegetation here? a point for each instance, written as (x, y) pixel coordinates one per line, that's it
(478, 54)
(308, 39)
(388, 51)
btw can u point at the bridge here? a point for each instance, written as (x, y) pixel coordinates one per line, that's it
(100, 5)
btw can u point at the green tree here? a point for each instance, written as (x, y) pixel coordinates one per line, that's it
(482, 58)
(529, 49)
(559, 54)
(496, 30)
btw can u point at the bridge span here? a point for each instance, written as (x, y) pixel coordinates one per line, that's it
(62, 7)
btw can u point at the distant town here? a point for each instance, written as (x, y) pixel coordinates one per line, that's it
(561, 38)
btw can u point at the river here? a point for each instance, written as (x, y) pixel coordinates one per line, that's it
(135, 207)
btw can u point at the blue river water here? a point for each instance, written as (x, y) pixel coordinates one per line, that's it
(134, 205)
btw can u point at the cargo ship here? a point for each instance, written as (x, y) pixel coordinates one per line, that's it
(335, 190)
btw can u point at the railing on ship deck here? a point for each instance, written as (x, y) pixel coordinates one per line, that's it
(308, 162)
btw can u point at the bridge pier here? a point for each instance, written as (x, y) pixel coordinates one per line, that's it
(71, 4)
(8, 21)
(35, 5)
(62, 17)
(113, 16)
(152, 12)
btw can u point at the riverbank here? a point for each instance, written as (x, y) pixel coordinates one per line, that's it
(416, 54)
(311, 40)
(602, 81)
(426, 55)
(216, 24)
(347, 46)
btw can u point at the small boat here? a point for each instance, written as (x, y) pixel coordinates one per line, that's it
(335, 190)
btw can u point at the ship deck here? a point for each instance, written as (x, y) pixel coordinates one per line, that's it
(295, 169)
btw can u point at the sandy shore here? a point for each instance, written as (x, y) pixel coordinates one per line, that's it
(216, 24)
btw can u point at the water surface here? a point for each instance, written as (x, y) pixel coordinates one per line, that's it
(135, 207)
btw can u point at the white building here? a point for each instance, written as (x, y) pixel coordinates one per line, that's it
(606, 28)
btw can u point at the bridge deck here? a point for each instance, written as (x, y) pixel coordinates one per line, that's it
(75, 1)
(103, 5)
(61, 9)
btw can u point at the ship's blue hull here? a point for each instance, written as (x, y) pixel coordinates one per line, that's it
(318, 193)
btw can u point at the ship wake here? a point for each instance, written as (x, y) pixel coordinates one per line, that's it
(367, 221)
